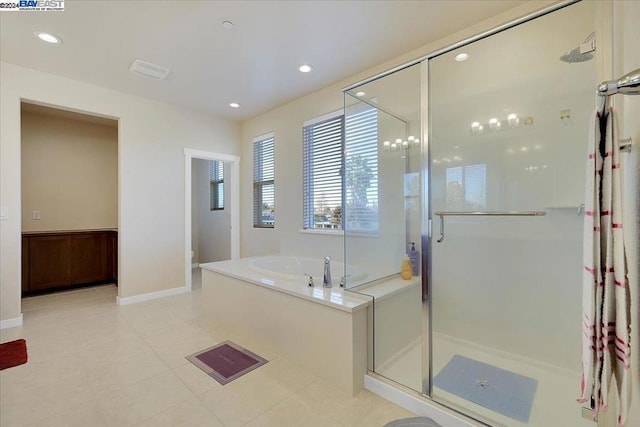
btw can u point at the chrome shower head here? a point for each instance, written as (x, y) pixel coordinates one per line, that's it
(581, 53)
(574, 55)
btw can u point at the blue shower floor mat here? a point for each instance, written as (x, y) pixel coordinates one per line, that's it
(499, 390)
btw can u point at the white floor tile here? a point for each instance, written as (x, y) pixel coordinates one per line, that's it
(293, 412)
(191, 413)
(244, 399)
(94, 363)
(141, 401)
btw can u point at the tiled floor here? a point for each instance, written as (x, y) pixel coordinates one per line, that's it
(94, 363)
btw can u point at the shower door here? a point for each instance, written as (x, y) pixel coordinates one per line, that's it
(508, 131)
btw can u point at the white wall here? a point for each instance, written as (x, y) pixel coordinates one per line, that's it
(503, 282)
(286, 124)
(212, 228)
(69, 173)
(626, 59)
(195, 213)
(631, 61)
(151, 141)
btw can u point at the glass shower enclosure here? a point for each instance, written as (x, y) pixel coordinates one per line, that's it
(478, 158)
(390, 172)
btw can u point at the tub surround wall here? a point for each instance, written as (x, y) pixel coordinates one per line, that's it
(397, 311)
(334, 297)
(322, 330)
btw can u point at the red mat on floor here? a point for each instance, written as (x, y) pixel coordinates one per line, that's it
(13, 353)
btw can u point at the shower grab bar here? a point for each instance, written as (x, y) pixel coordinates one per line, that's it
(625, 145)
(442, 214)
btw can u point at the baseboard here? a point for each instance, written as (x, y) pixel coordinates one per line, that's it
(11, 323)
(414, 402)
(151, 295)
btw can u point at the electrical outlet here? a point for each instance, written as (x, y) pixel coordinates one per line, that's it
(35, 215)
(4, 213)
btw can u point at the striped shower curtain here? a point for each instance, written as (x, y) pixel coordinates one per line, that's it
(606, 349)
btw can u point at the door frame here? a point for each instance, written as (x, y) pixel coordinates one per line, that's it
(234, 208)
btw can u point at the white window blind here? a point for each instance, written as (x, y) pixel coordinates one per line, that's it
(322, 171)
(216, 180)
(329, 177)
(263, 181)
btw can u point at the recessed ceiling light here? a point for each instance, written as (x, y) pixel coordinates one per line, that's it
(47, 37)
(360, 94)
(461, 57)
(234, 105)
(227, 25)
(305, 68)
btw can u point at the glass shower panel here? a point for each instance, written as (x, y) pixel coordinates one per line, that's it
(508, 133)
(382, 213)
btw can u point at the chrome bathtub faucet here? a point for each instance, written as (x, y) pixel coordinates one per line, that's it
(326, 277)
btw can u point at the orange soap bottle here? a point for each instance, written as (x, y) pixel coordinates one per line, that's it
(406, 269)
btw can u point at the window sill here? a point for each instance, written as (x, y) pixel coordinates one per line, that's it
(340, 233)
(324, 232)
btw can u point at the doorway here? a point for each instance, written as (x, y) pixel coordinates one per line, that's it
(69, 200)
(212, 195)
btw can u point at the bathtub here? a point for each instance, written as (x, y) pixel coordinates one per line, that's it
(294, 268)
(323, 330)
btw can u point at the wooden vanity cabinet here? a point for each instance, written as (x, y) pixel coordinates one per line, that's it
(64, 259)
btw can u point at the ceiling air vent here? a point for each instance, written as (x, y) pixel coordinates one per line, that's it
(148, 70)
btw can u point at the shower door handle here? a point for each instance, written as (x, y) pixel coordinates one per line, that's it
(441, 239)
(442, 214)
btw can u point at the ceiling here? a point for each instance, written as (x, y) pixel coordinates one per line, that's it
(254, 64)
(511, 71)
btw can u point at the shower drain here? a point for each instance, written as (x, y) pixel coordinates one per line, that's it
(484, 384)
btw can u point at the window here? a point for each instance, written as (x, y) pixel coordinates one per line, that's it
(328, 176)
(466, 187)
(216, 178)
(361, 167)
(322, 171)
(263, 182)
